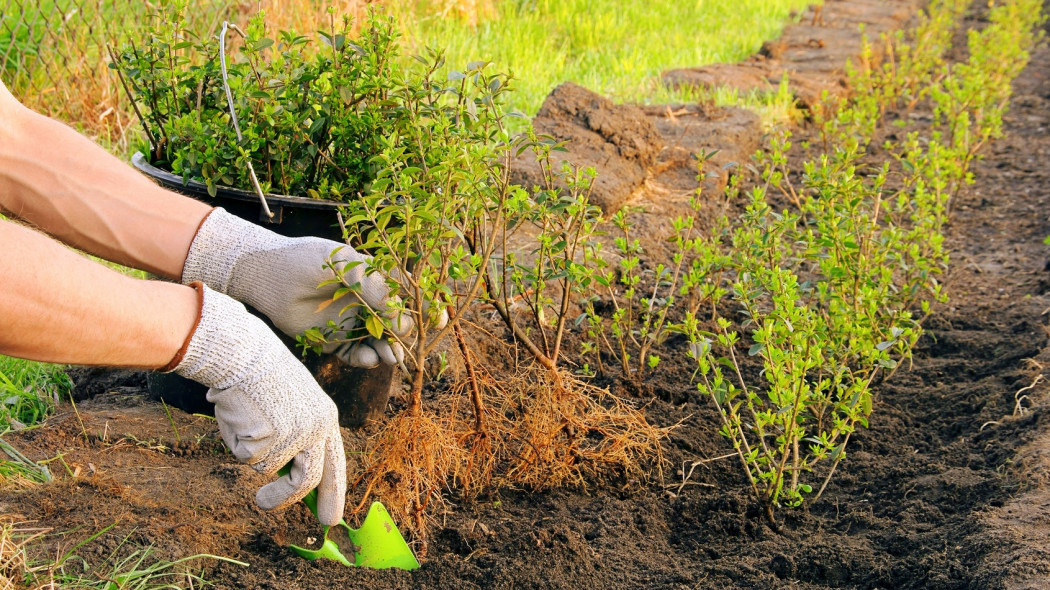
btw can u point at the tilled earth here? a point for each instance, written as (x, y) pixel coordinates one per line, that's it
(947, 489)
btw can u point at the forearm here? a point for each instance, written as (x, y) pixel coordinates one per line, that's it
(64, 184)
(58, 306)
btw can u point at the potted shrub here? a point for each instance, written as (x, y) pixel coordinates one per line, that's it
(278, 131)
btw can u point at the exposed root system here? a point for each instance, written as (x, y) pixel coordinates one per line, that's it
(541, 429)
(566, 431)
(409, 464)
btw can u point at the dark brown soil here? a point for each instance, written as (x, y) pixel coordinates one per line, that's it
(947, 489)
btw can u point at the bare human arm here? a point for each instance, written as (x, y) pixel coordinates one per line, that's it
(58, 306)
(61, 182)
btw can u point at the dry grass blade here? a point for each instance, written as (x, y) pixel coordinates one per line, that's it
(14, 565)
(1019, 409)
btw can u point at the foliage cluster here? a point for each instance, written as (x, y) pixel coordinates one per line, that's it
(53, 53)
(308, 121)
(833, 289)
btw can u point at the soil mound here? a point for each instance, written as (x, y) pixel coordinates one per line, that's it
(616, 139)
(809, 56)
(726, 136)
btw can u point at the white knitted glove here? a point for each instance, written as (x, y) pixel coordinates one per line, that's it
(269, 408)
(279, 276)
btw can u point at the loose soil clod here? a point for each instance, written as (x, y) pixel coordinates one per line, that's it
(616, 139)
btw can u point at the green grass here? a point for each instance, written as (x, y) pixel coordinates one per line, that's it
(29, 391)
(773, 108)
(615, 47)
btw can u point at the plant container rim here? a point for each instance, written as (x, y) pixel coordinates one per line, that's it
(140, 162)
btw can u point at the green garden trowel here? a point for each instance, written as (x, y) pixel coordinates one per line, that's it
(377, 544)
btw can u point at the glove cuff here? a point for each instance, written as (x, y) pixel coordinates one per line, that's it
(226, 344)
(177, 359)
(219, 243)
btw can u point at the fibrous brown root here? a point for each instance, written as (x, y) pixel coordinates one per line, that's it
(541, 429)
(484, 440)
(408, 465)
(567, 431)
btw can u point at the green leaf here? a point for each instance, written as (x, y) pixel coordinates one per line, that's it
(837, 451)
(374, 326)
(314, 335)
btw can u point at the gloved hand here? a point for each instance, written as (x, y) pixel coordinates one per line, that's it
(279, 276)
(269, 408)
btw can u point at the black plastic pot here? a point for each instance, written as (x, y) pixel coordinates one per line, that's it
(360, 394)
(294, 217)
